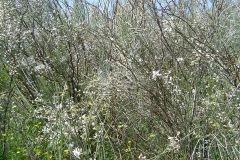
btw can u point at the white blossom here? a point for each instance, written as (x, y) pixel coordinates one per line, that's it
(155, 74)
(179, 59)
(142, 157)
(174, 142)
(194, 91)
(77, 152)
(71, 145)
(39, 67)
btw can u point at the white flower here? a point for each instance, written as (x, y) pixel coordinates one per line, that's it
(46, 129)
(238, 141)
(194, 91)
(174, 143)
(142, 157)
(77, 152)
(71, 145)
(39, 67)
(179, 59)
(59, 106)
(155, 74)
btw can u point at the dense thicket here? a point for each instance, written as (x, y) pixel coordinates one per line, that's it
(135, 79)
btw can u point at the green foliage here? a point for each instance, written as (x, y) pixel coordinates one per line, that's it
(4, 79)
(119, 80)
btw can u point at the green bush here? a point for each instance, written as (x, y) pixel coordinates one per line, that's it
(119, 79)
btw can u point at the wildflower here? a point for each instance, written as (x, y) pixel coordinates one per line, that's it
(39, 67)
(46, 129)
(179, 59)
(59, 106)
(238, 141)
(155, 74)
(174, 143)
(194, 91)
(142, 157)
(77, 152)
(71, 145)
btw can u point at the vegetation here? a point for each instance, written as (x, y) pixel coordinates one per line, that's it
(132, 79)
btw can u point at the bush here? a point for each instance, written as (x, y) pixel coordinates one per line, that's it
(119, 79)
